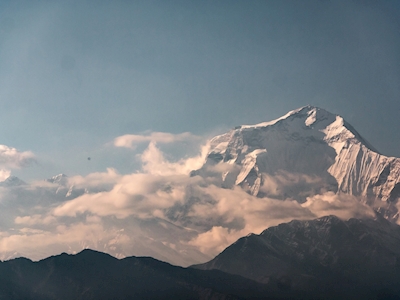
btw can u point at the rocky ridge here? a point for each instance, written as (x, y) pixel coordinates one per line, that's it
(326, 254)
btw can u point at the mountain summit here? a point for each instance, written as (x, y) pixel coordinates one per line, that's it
(12, 181)
(305, 152)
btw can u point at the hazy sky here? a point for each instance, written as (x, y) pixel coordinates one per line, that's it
(74, 75)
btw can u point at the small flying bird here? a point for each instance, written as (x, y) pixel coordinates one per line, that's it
(88, 158)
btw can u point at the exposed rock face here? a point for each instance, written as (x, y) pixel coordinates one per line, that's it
(314, 151)
(70, 192)
(60, 179)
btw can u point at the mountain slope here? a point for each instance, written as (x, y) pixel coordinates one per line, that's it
(12, 181)
(95, 275)
(326, 254)
(308, 151)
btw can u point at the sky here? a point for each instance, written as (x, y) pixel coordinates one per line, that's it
(122, 96)
(75, 75)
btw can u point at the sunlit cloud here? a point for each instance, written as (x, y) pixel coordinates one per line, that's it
(154, 162)
(60, 239)
(4, 174)
(11, 158)
(97, 180)
(34, 220)
(190, 216)
(341, 205)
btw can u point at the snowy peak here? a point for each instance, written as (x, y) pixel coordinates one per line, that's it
(317, 119)
(60, 179)
(65, 188)
(312, 114)
(12, 181)
(273, 122)
(306, 152)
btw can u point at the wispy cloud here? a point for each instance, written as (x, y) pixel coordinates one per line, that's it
(132, 140)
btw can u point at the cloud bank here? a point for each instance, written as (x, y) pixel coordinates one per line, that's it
(162, 210)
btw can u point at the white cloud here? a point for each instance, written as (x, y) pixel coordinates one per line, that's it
(132, 140)
(235, 214)
(97, 180)
(34, 220)
(215, 240)
(141, 195)
(284, 184)
(341, 205)
(14, 159)
(155, 163)
(4, 174)
(11, 158)
(47, 242)
(160, 211)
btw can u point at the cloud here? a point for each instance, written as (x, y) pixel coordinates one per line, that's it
(140, 195)
(163, 210)
(154, 162)
(298, 186)
(4, 174)
(341, 205)
(253, 215)
(215, 240)
(34, 220)
(191, 202)
(14, 159)
(48, 242)
(132, 140)
(234, 214)
(97, 180)
(11, 158)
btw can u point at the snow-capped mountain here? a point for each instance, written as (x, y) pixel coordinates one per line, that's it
(60, 179)
(12, 181)
(305, 152)
(63, 186)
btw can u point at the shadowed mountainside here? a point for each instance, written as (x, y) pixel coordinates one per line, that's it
(326, 258)
(95, 275)
(329, 255)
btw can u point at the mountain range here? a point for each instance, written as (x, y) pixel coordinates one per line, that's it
(95, 275)
(326, 258)
(306, 160)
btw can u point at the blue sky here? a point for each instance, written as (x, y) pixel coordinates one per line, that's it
(74, 75)
(138, 86)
